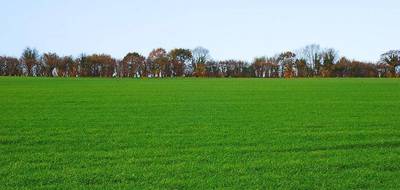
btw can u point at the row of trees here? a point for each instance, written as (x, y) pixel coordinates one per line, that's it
(310, 61)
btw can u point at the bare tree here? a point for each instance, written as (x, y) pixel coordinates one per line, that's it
(200, 57)
(312, 54)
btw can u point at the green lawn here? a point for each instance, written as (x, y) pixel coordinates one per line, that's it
(199, 133)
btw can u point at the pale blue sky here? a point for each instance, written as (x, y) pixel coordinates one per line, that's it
(228, 28)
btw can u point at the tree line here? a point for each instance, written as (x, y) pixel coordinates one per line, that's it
(310, 61)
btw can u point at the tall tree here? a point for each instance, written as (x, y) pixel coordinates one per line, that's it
(301, 68)
(259, 67)
(30, 59)
(51, 61)
(287, 60)
(200, 58)
(312, 54)
(180, 58)
(329, 57)
(82, 65)
(160, 66)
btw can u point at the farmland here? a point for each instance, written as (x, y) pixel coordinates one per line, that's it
(194, 133)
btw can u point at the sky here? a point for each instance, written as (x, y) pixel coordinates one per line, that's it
(230, 29)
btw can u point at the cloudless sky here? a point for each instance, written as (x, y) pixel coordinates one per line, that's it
(238, 29)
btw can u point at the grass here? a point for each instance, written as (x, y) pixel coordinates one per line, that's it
(199, 133)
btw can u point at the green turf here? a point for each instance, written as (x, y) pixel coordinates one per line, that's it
(199, 133)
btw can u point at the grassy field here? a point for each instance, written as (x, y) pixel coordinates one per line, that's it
(199, 133)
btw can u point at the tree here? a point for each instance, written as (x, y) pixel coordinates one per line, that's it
(73, 69)
(160, 66)
(312, 54)
(9, 66)
(30, 59)
(329, 57)
(392, 59)
(200, 58)
(96, 65)
(233, 68)
(383, 70)
(214, 69)
(342, 68)
(259, 67)
(266, 67)
(50, 61)
(180, 58)
(361, 69)
(301, 68)
(66, 66)
(101, 65)
(82, 65)
(134, 65)
(286, 60)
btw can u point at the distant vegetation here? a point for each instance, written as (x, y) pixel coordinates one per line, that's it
(310, 61)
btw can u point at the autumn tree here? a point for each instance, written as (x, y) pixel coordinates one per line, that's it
(329, 57)
(66, 66)
(9, 66)
(101, 65)
(96, 65)
(30, 59)
(286, 60)
(259, 67)
(134, 65)
(51, 61)
(302, 70)
(273, 66)
(343, 68)
(362, 69)
(179, 58)
(265, 67)
(160, 65)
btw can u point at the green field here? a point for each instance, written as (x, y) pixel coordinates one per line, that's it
(199, 133)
